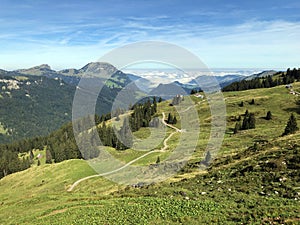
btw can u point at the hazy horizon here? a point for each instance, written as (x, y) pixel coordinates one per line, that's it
(214, 69)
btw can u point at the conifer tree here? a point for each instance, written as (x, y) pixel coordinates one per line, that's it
(207, 159)
(97, 119)
(248, 121)
(125, 136)
(251, 121)
(269, 115)
(170, 119)
(48, 156)
(31, 156)
(154, 105)
(237, 127)
(291, 126)
(193, 91)
(157, 160)
(245, 124)
(174, 120)
(103, 134)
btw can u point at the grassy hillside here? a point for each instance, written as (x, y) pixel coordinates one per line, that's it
(254, 180)
(278, 100)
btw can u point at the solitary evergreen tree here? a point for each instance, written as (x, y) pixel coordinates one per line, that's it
(291, 126)
(269, 115)
(170, 119)
(207, 159)
(174, 120)
(31, 156)
(125, 136)
(251, 121)
(237, 127)
(157, 160)
(245, 124)
(48, 156)
(154, 106)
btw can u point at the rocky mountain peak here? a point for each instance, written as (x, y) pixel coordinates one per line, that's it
(37, 70)
(98, 68)
(44, 66)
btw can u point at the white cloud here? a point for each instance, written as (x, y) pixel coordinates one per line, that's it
(249, 44)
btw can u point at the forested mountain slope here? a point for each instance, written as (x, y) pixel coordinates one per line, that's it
(38, 100)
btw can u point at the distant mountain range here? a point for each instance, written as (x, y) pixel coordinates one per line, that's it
(72, 76)
(261, 74)
(103, 70)
(38, 100)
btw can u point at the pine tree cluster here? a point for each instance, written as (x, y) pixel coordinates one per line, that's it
(171, 119)
(177, 99)
(140, 117)
(142, 114)
(265, 82)
(248, 122)
(61, 144)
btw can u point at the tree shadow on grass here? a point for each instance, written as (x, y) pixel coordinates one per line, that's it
(293, 109)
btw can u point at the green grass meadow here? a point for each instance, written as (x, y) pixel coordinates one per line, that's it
(247, 183)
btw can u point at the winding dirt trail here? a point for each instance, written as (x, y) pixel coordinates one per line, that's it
(132, 161)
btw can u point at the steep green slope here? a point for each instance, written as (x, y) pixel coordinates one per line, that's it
(254, 179)
(33, 105)
(278, 100)
(245, 189)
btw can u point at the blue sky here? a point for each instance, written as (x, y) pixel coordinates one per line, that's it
(224, 34)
